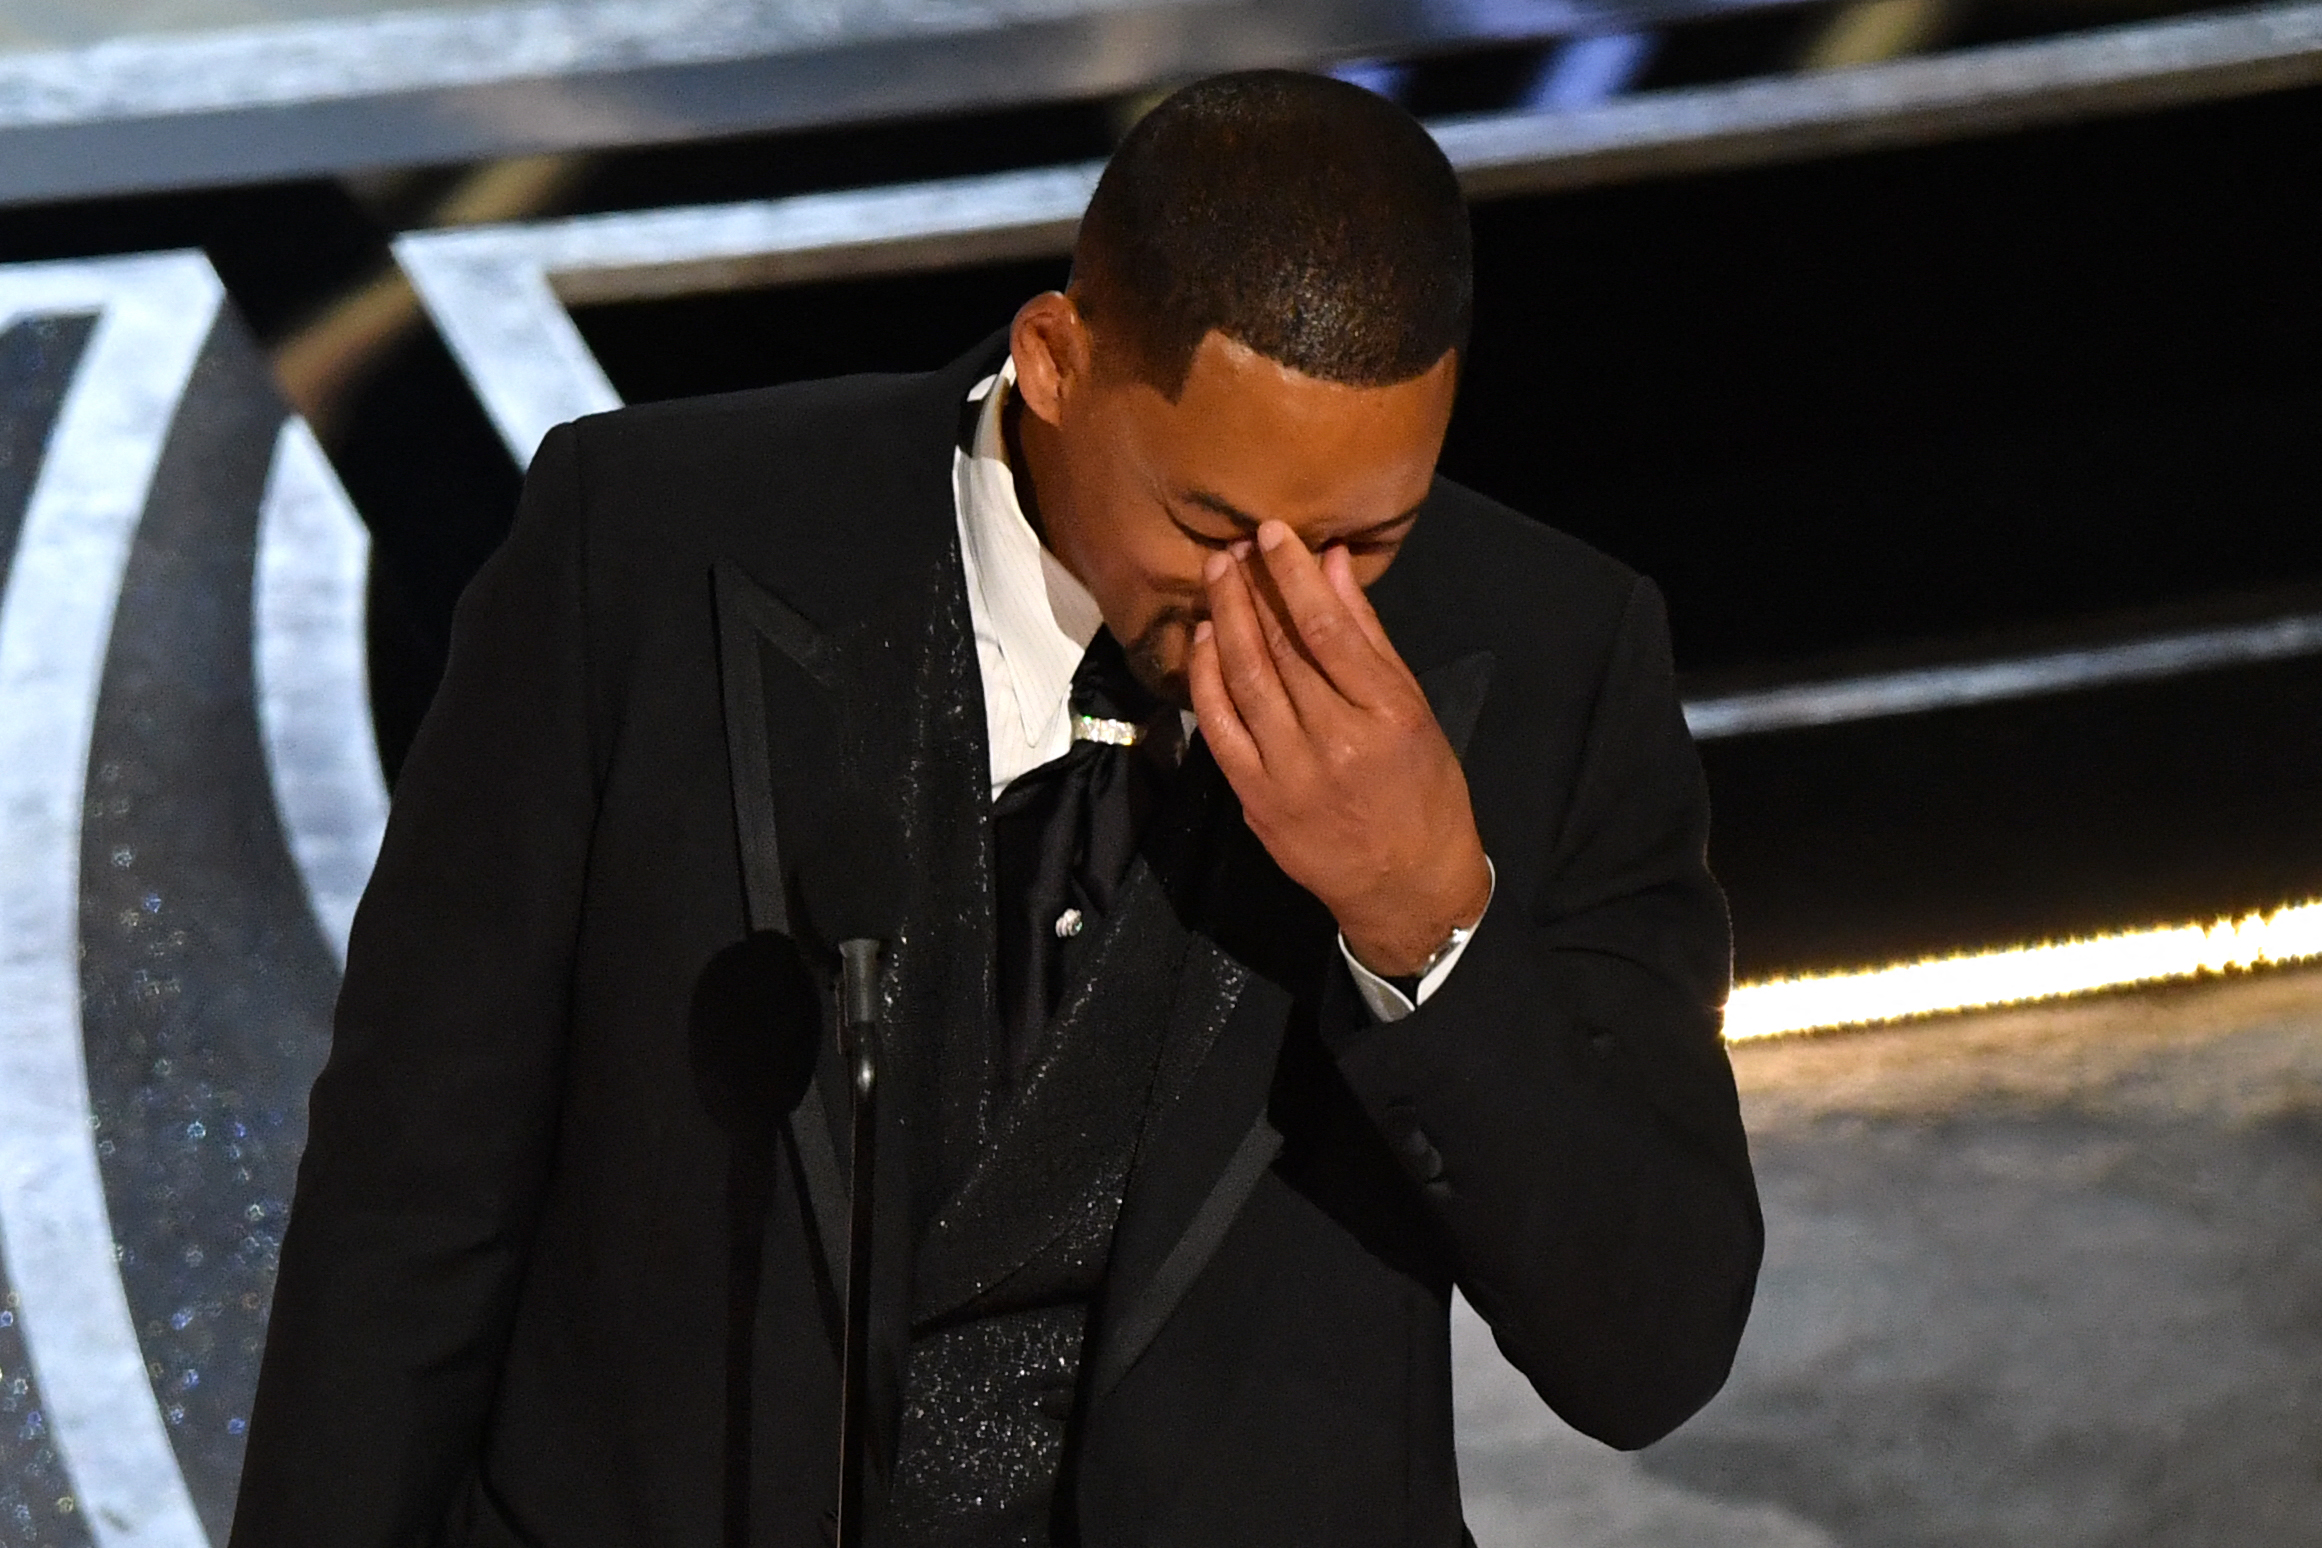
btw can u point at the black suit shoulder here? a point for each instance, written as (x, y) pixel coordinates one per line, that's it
(833, 484)
(833, 495)
(1477, 575)
(1524, 549)
(839, 483)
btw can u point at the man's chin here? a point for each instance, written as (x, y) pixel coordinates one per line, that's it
(1159, 671)
(1166, 683)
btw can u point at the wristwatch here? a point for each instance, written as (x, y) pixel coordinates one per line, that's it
(1460, 935)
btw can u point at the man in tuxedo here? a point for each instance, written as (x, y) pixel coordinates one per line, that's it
(1291, 872)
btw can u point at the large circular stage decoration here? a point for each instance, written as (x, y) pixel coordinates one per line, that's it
(190, 800)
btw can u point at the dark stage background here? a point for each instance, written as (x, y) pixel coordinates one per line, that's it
(1931, 404)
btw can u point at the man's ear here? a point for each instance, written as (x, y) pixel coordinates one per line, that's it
(1050, 343)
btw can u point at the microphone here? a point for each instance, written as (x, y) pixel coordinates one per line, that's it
(859, 1033)
(859, 981)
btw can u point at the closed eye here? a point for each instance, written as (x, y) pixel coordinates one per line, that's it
(1208, 540)
(1379, 538)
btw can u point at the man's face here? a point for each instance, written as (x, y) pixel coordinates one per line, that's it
(1136, 492)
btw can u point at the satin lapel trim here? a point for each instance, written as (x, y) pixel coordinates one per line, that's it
(1141, 1321)
(1202, 1150)
(1456, 690)
(748, 620)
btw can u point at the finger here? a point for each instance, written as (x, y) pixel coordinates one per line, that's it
(1338, 569)
(1229, 739)
(1328, 718)
(1327, 631)
(1245, 664)
(1309, 686)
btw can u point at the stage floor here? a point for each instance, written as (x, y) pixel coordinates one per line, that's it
(2045, 1276)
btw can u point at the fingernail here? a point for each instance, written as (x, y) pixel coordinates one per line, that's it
(1240, 550)
(1213, 569)
(1201, 632)
(1271, 534)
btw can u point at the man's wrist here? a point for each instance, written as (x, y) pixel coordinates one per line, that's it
(1420, 935)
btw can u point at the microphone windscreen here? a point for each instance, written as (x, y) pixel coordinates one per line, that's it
(756, 1029)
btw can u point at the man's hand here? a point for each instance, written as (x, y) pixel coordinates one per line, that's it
(1342, 771)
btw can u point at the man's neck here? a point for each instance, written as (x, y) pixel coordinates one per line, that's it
(1020, 464)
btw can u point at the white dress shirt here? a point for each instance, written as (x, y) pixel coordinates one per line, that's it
(1033, 620)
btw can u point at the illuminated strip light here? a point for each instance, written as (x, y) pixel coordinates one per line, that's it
(2292, 933)
(1986, 682)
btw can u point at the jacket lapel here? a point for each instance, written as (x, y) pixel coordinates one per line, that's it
(1455, 691)
(858, 772)
(1206, 1141)
(778, 670)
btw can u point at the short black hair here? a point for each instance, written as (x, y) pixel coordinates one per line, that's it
(1311, 220)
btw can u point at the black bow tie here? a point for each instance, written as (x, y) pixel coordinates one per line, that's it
(1064, 833)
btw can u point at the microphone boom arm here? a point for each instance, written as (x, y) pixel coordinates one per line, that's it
(859, 1042)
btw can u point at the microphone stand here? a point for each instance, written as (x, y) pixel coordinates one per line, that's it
(859, 1042)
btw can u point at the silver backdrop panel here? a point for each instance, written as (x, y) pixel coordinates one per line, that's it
(206, 985)
(37, 1505)
(306, 95)
(189, 799)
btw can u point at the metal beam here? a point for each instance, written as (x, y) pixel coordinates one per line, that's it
(499, 294)
(440, 85)
(1912, 101)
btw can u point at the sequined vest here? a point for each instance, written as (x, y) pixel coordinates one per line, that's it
(1005, 1274)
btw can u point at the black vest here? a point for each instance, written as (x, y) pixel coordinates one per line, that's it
(1015, 1186)
(1007, 1272)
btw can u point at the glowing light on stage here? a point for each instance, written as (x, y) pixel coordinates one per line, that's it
(2052, 970)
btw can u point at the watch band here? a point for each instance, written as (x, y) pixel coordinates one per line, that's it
(1460, 935)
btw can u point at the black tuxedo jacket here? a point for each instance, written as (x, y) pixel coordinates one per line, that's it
(559, 1268)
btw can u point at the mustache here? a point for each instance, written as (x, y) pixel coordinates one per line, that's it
(1148, 659)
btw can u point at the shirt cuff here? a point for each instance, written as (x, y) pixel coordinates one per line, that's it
(1388, 1003)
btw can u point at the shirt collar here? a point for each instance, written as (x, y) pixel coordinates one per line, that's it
(1041, 617)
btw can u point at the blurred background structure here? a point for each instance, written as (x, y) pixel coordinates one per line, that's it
(1954, 365)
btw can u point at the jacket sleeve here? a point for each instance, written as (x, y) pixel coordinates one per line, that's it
(432, 1125)
(1563, 1100)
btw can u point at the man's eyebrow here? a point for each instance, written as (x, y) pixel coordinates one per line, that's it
(1377, 527)
(1219, 505)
